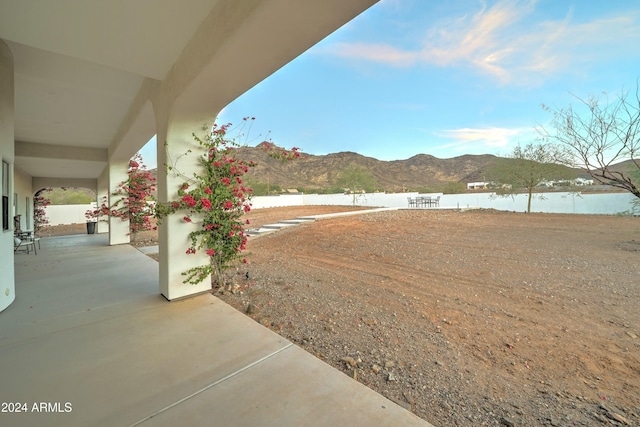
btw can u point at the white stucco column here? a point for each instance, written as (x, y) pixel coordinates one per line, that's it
(229, 53)
(7, 154)
(102, 190)
(173, 232)
(118, 229)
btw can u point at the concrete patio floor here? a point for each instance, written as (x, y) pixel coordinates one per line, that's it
(89, 341)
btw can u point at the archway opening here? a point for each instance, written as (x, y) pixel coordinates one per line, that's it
(61, 211)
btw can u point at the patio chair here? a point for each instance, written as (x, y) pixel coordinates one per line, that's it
(23, 245)
(36, 239)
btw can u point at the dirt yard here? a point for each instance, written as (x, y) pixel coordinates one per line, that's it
(465, 318)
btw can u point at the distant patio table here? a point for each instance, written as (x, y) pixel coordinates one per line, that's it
(424, 202)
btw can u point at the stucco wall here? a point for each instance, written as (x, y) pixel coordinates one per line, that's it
(67, 214)
(7, 278)
(607, 203)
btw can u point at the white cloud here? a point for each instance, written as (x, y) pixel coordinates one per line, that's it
(376, 53)
(503, 42)
(479, 139)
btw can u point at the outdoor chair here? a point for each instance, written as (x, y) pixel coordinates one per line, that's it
(412, 202)
(36, 239)
(23, 245)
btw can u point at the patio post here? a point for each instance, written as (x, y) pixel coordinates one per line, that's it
(118, 229)
(174, 140)
(102, 190)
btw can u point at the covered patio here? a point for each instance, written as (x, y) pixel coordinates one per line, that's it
(89, 341)
(84, 86)
(87, 335)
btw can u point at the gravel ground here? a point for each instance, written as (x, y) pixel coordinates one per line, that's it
(475, 318)
(465, 318)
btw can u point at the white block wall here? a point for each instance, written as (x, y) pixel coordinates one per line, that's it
(67, 214)
(606, 204)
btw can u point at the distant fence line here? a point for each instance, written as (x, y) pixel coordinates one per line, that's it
(572, 203)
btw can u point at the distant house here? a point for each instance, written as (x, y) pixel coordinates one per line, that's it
(580, 182)
(477, 185)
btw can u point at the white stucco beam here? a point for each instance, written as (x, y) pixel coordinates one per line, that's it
(65, 152)
(138, 125)
(40, 183)
(240, 44)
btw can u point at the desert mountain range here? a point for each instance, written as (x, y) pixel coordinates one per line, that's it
(421, 172)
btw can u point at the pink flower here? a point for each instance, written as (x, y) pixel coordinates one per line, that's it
(207, 190)
(189, 200)
(228, 205)
(206, 203)
(226, 181)
(133, 164)
(211, 252)
(191, 251)
(187, 219)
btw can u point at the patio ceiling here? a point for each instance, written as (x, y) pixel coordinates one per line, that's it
(79, 66)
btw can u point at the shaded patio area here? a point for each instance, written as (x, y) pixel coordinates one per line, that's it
(90, 337)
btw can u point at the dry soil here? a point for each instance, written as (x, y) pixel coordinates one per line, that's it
(465, 318)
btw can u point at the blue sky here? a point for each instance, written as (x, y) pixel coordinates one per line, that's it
(445, 78)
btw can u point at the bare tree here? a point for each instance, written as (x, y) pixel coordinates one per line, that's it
(526, 168)
(605, 134)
